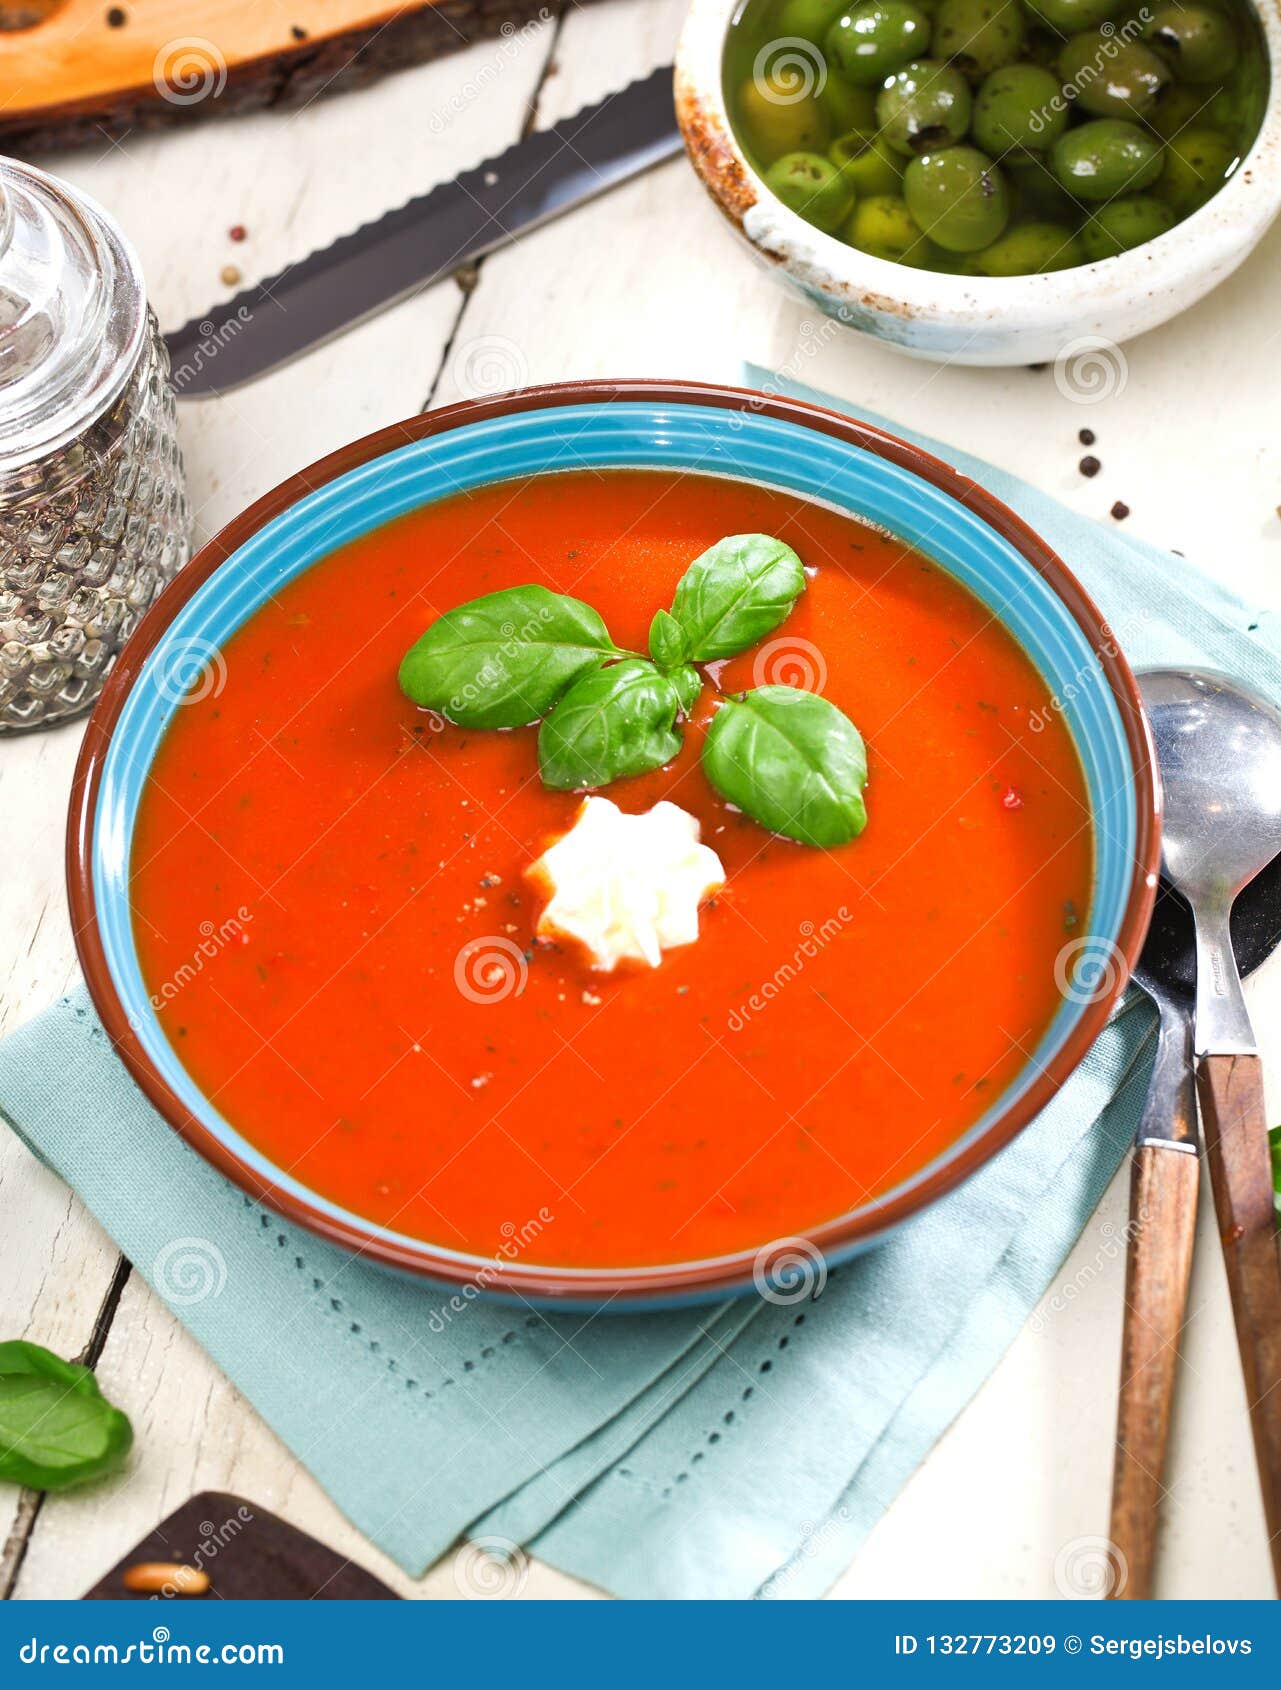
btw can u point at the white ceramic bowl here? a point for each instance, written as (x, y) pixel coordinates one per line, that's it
(974, 320)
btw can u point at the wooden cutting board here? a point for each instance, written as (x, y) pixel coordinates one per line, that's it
(84, 69)
(243, 1553)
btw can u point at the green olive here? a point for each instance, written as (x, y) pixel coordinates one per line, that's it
(978, 36)
(1111, 77)
(1197, 163)
(1041, 46)
(958, 196)
(1029, 249)
(1176, 109)
(812, 188)
(1020, 106)
(1037, 194)
(1065, 17)
(808, 18)
(926, 256)
(866, 163)
(883, 226)
(1223, 109)
(1106, 157)
(924, 106)
(1123, 224)
(774, 122)
(1198, 42)
(848, 106)
(872, 40)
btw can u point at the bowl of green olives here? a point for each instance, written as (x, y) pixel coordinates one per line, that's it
(989, 181)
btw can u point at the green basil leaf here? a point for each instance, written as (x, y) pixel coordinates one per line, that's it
(792, 761)
(614, 722)
(733, 594)
(666, 640)
(1274, 1142)
(688, 684)
(503, 660)
(56, 1427)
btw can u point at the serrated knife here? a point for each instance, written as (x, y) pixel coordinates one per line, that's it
(546, 173)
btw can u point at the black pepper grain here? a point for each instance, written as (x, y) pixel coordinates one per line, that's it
(1086, 437)
(116, 18)
(1120, 510)
(1089, 465)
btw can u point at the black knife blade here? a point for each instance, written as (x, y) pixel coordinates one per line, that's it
(548, 172)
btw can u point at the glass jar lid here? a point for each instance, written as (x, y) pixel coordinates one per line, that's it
(72, 320)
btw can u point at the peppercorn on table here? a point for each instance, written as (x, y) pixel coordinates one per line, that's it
(1176, 437)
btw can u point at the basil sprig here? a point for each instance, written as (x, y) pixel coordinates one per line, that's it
(734, 594)
(789, 759)
(502, 661)
(613, 723)
(792, 761)
(56, 1427)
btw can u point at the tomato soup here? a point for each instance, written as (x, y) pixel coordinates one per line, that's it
(336, 928)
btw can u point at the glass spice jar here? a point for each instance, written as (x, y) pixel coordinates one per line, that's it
(93, 512)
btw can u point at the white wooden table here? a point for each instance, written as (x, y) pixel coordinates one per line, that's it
(646, 281)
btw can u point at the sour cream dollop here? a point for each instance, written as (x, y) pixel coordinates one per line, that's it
(627, 887)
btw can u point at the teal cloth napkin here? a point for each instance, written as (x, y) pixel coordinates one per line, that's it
(730, 1451)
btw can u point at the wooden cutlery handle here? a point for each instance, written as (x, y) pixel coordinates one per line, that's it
(1163, 1196)
(1236, 1142)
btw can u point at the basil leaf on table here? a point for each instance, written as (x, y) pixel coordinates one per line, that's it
(56, 1427)
(614, 722)
(735, 593)
(1274, 1144)
(792, 761)
(503, 660)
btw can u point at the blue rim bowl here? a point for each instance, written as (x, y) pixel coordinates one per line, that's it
(680, 425)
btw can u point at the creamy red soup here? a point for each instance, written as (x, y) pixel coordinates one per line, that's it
(335, 924)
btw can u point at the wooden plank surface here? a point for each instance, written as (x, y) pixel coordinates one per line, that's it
(646, 281)
(75, 72)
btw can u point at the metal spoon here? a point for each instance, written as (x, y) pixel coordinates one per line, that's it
(1219, 747)
(1219, 750)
